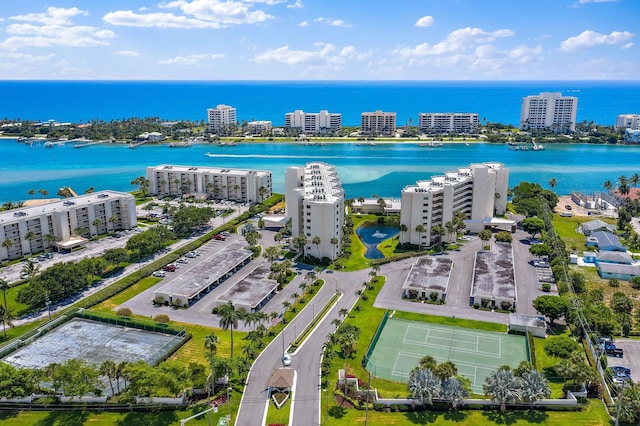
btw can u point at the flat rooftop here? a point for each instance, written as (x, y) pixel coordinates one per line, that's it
(207, 271)
(493, 275)
(204, 169)
(429, 273)
(91, 341)
(252, 289)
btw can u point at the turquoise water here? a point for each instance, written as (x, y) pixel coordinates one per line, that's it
(383, 169)
(373, 234)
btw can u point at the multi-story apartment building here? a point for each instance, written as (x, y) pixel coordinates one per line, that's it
(221, 118)
(252, 186)
(479, 191)
(549, 111)
(258, 127)
(378, 122)
(445, 122)
(63, 224)
(322, 122)
(628, 122)
(315, 204)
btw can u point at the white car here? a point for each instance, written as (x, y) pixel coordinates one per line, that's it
(286, 360)
(159, 274)
(182, 260)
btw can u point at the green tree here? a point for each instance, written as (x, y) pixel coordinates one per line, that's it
(553, 307)
(316, 242)
(533, 226)
(420, 229)
(485, 236)
(553, 183)
(621, 303)
(453, 391)
(229, 318)
(503, 387)
(424, 385)
(108, 369)
(534, 386)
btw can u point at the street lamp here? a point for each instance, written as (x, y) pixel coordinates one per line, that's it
(48, 304)
(228, 405)
(326, 398)
(208, 397)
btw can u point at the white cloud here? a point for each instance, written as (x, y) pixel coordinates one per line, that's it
(459, 40)
(590, 38)
(129, 53)
(193, 14)
(52, 16)
(425, 21)
(325, 56)
(191, 59)
(303, 24)
(53, 27)
(333, 22)
(297, 5)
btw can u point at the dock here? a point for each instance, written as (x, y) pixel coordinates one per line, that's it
(86, 144)
(137, 144)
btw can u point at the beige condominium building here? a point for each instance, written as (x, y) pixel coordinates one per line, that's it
(221, 118)
(252, 186)
(313, 122)
(315, 204)
(64, 224)
(378, 122)
(447, 122)
(628, 121)
(479, 191)
(549, 111)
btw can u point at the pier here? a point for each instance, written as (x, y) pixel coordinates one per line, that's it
(137, 144)
(86, 144)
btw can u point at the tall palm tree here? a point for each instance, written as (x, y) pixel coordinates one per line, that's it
(316, 241)
(634, 179)
(438, 231)
(50, 239)
(451, 228)
(424, 385)
(334, 242)
(553, 183)
(453, 392)
(108, 369)
(211, 345)
(534, 386)
(32, 192)
(403, 228)
(30, 268)
(608, 185)
(503, 387)
(348, 336)
(229, 318)
(420, 229)
(4, 286)
(30, 236)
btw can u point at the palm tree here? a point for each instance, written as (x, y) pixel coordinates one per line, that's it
(403, 228)
(7, 244)
(425, 385)
(30, 236)
(334, 242)
(629, 403)
(286, 305)
(534, 386)
(5, 316)
(503, 387)
(622, 180)
(420, 229)
(97, 222)
(211, 345)
(32, 192)
(438, 231)
(30, 268)
(4, 286)
(50, 239)
(453, 392)
(229, 318)
(89, 190)
(553, 183)
(316, 241)
(608, 185)
(451, 229)
(108, 369)
(347, 339)
(634, 179)
(262, 191)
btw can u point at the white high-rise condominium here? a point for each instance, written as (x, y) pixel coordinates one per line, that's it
(221, 118)
(315, 204)
(479, 191)
(444, 122)
(64, 224)
(378, 122)
(549, 111)
(322, 122)
(628, 122)
(253, 186)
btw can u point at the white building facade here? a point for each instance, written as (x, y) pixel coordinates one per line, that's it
(221, 118)
(479, 191)
(549, 111)
(628, 122)
(54, 225)
(444, 122)
(322, 122)
(315, 204)
(378, 122)
(252, 186)
(258, 127)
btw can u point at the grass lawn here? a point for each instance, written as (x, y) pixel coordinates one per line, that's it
(281, 416)
(594, 414)
(545, 363)
(14, 306)
(455, 322)
(110, 304)
(356, 260)
(565, 228)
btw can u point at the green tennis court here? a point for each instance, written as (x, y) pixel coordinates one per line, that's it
(402, 343)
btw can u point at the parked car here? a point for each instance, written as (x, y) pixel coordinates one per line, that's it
(540, 264)
(566, 214)
(219, 237)
(182, 260)
(169, 268)
(190, 255)
(568, 207)
(159, 274)
(621, 371)
(286, 360)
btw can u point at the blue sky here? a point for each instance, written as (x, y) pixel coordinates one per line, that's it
(320, 40)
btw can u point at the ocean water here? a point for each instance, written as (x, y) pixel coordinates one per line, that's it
(75, 101)
(383, 169)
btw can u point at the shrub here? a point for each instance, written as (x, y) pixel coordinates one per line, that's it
(560, 347)
(158, 300)
(476, 306)
(433, 296)
(124, 312)
(505, 305)
(546, 287)
(614, 282)
(504, 237)
(161, 318)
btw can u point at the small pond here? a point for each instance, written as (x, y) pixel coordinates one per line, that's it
(372, 234)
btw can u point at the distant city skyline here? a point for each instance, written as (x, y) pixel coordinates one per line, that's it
(319, 40)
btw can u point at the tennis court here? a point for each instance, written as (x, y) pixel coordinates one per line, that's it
(476, 353)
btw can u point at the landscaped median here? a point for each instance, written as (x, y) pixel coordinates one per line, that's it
(312, 325)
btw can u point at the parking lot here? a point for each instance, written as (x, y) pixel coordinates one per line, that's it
(631, 358)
